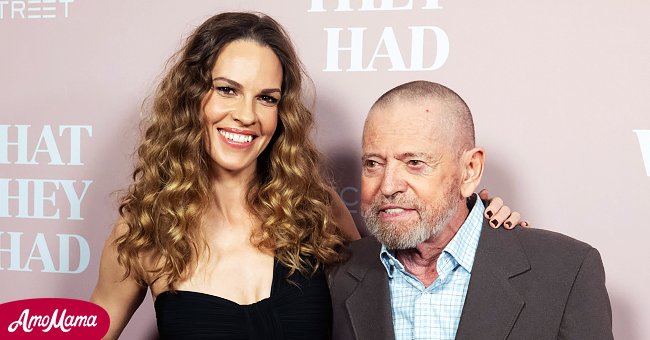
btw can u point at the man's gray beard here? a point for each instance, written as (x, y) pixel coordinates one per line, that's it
(400, 236)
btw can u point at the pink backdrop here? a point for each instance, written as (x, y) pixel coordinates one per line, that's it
(558, 89)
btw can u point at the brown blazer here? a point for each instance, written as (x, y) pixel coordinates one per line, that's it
(526, 284)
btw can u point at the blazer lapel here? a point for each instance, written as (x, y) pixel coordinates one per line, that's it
(492, 305)
(369, 307)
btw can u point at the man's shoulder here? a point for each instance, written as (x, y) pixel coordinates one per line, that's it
(548, 240)
(550, 250)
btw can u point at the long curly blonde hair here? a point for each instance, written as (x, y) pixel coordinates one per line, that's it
(171, 189)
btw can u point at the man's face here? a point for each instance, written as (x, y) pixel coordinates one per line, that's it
(410, 183)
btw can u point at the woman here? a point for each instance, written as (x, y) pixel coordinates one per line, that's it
(228, 220)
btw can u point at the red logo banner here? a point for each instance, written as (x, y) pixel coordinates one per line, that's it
(52, 318)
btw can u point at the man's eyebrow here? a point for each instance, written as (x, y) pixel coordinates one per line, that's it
(365, 156)
(420, 155)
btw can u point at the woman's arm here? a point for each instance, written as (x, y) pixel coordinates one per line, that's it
(119, 297)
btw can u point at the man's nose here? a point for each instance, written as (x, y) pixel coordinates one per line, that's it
(392, 182)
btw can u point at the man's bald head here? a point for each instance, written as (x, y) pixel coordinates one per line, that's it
(456, 117)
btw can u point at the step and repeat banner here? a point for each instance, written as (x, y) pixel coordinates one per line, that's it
(559, 91)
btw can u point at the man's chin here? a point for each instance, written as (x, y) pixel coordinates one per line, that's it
(399, 244)
(396, 240)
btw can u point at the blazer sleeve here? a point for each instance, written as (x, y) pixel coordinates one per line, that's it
(588, 313)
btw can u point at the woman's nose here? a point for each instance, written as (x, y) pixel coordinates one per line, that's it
(245, 112)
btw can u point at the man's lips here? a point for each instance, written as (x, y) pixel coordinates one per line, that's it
(396, 212)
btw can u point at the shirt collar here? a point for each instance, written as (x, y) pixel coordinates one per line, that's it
(461, 248)
(390, 262)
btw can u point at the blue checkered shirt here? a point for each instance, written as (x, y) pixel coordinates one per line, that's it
(434, 312)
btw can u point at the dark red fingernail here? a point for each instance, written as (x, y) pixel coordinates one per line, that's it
(495, 223)
(489, 213)
(508, 225)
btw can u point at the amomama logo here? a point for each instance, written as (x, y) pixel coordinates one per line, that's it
(34, 9)
(52, 318)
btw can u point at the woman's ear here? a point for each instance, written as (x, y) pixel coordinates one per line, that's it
(472, 162)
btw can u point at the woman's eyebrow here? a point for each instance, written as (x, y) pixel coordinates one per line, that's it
(239, 86)
(229, 81)
(271, 90)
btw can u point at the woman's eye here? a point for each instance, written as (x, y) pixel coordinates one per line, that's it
(269, 100)
(229, 91)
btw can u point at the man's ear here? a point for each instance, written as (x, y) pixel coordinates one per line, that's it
(472, 162)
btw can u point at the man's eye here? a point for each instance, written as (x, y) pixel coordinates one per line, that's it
(370, 163)
(415, 162)
(229, 91)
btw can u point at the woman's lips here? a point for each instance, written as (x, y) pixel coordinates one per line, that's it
(235, 137)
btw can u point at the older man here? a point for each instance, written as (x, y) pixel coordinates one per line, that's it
(433, 268)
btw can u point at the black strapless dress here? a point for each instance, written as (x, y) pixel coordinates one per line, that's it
(300, 309)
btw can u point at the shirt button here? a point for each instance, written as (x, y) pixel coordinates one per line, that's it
(391, 262)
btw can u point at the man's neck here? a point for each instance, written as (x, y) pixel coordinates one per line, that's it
(422, 260)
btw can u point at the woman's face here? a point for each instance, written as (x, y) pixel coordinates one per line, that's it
(241, 110)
